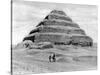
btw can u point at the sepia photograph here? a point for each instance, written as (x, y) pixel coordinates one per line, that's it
(53, 37)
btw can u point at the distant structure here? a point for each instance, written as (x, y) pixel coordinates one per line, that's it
(59, 29)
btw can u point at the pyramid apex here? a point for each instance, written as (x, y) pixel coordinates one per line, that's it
(60, 12)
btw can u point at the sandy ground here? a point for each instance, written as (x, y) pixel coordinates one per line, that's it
(30, 61)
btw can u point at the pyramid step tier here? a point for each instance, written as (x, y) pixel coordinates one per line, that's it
(56, 33)
(59, 38)
(57, 30)
(60, 27)
(58, 12)
(60, 17)
(58, 22)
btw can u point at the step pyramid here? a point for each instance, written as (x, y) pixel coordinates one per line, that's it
(59, 29)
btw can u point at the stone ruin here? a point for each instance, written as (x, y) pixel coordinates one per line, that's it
(59, 29)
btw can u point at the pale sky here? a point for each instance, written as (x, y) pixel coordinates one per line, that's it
(27, 14)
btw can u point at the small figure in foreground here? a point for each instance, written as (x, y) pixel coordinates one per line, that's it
(52, 58)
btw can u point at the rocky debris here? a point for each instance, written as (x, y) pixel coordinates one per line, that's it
(25, 44)
(41, 45)
(28, 44)
(45, 45)
(59, 29)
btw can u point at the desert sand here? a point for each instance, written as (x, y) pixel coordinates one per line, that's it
(68, 58)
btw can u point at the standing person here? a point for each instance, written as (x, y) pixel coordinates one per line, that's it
(52, 58)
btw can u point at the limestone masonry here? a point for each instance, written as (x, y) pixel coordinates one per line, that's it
(59, 29)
